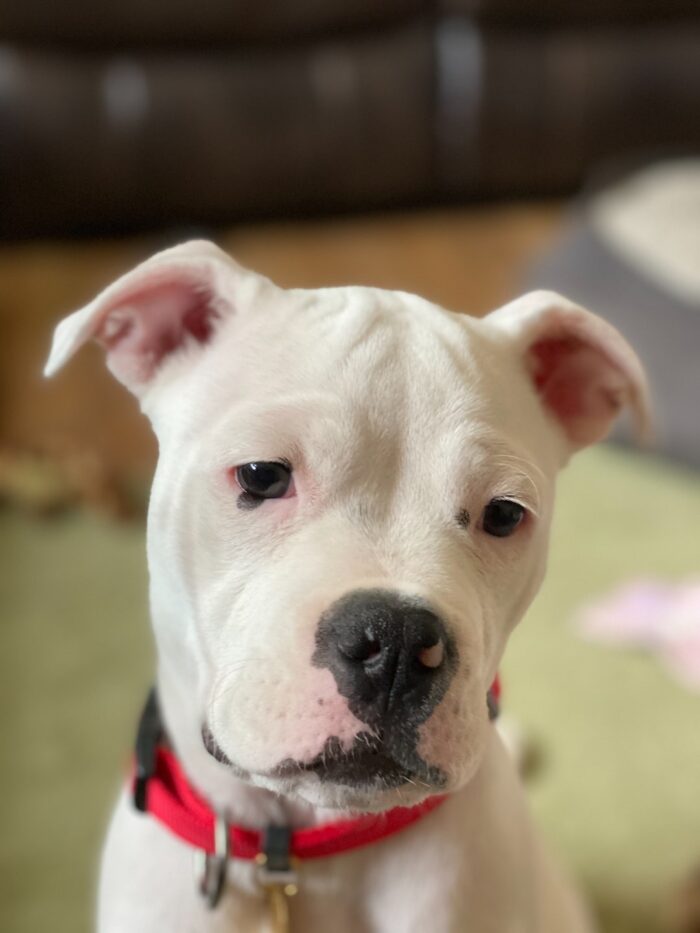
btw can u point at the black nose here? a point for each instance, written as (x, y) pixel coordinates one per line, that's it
(390, 654)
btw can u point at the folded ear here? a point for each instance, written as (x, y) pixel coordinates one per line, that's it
(171, 300)
(583, 370)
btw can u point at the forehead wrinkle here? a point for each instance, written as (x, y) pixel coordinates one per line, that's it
(381, 333)
(408, 418)
(502, 470)
(459, 423)
(278, 426)
(345, 321)
(443, 371)
(366, 337)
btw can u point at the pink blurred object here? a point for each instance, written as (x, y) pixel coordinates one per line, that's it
(660, 617)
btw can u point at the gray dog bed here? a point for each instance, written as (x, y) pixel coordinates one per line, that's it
(632, 254)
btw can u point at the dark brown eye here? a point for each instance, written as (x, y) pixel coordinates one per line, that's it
(264, 479)
(502, 517)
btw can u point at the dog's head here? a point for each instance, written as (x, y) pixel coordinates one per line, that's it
(351, 507)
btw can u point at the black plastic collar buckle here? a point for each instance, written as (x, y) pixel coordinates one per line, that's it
(148, 738)
(493, 706)
(276, 865)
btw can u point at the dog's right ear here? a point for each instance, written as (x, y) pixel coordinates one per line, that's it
(169, 302)
(582, 369)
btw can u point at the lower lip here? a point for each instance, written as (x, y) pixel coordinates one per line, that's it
(353, 771)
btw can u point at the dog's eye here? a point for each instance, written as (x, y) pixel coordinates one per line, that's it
(264, 479)
(502, 517)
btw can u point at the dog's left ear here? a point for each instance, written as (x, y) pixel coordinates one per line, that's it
(170, 303)
(583, 370)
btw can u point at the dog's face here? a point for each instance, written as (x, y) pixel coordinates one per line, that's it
(351, 508)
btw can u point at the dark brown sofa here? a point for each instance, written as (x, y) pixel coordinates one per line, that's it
(123, 115)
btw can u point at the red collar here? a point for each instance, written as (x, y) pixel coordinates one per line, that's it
(172, 801)
(160, 787)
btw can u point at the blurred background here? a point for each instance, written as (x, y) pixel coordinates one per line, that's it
(463, 149)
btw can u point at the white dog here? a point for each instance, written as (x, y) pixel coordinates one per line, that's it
(349, 516)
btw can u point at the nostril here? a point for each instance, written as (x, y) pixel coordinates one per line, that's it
(361, 649)
(433, 656)
(372, 650)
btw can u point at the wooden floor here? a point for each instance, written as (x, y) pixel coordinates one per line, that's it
(468, 260)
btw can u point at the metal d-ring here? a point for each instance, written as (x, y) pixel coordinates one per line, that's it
(210, 869)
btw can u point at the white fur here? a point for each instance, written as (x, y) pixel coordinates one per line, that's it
(396, 416)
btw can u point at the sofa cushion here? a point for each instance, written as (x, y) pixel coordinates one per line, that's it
(99, 142)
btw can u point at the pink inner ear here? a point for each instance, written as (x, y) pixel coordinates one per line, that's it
(580, 386)
(145, 326)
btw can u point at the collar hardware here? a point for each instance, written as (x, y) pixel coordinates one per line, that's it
(148, 738)
(210, 868)
(276, 865)
(493, 700)
(277, 874)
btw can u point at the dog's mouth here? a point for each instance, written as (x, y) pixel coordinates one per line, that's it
(367, 763)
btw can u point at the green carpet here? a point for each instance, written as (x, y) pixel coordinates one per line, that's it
(618, 789)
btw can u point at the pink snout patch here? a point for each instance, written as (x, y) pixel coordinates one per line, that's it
(292, 722)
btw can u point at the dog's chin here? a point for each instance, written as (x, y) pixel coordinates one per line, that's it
(372, 797)
(365, 778)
